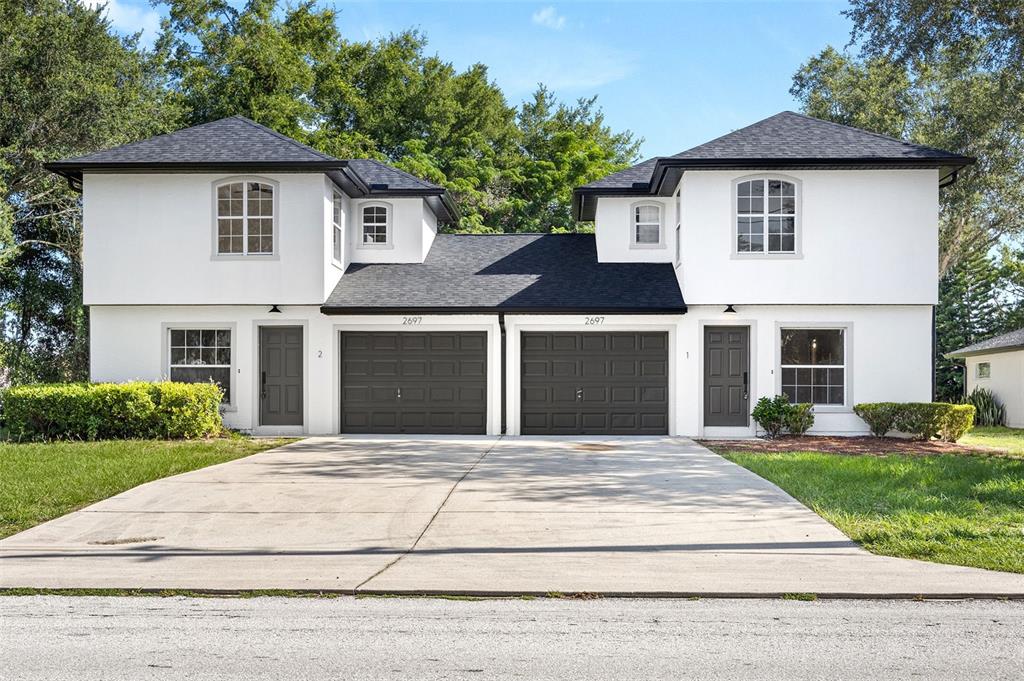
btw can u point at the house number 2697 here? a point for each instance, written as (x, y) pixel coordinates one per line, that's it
(591, 321)
(408, 321)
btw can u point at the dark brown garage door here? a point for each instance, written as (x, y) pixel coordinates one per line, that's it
(406, 382)
(594, 384)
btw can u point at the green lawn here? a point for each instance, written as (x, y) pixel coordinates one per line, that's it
(1000, 437)
(962, 510)
(39, 482)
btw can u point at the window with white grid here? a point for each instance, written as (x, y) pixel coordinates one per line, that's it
(766, 216)
(245, 218)
(201, 356)
(814, 366)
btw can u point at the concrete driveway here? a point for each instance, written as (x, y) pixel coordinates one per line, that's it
(656, 516)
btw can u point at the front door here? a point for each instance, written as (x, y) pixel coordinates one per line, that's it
(280, 376)
(726, 375)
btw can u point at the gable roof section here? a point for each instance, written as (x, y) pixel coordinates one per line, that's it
(1013, 340)
(512, 273)
(242, 145)
(786, 140)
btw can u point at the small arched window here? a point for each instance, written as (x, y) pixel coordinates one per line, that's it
(766, 216)
(245, 218)
(376, 219)
(646, 224)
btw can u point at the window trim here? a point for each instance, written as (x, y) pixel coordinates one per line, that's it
(336, 228)
(165, 347)
(633, 224)
(977, 371)
(275, 253)
(389, 241)
(797, 253)
(848, 361)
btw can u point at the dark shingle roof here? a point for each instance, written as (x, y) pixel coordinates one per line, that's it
(509, 273)
(236, 142)
(374, 172)
(228, 140)
(794, 137)
(1007, 341)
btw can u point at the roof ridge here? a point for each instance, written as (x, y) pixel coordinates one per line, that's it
(286, 138)
(864, 131)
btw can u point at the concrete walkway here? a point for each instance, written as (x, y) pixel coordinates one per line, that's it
(655, 516)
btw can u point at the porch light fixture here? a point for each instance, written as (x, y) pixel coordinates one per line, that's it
(275, 308)
(729, 310)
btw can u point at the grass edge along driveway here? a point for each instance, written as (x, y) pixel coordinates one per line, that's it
(960, 510)
(43, 481)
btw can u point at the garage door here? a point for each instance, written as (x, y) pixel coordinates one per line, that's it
(402, 382)
(594, 383)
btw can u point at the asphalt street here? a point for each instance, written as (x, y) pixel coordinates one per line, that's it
(85, 638)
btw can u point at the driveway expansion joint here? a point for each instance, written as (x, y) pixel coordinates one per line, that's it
(433, 517)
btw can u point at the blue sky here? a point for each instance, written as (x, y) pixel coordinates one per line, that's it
(675, 73)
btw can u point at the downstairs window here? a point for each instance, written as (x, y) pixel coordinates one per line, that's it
(201, 356)
(814, 366)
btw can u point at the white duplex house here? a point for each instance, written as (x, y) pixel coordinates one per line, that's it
(324, 296)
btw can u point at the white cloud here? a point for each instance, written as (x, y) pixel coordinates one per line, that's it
(549, 18)
(129, 18)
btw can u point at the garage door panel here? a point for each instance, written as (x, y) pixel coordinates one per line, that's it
(412, 382)
(594, 383)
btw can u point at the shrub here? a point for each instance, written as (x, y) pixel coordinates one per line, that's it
(95, 411)
(880, 416)
(770, 413)
(922, 420)
(989, 411)
(799, 418)
(958, 421)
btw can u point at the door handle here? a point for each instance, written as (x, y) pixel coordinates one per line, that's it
(579, 394)
(263, 384)
(398, 394)
(745, 385)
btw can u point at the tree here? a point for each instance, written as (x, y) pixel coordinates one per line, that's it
(69, 87)
(941, 105)
(968, 311)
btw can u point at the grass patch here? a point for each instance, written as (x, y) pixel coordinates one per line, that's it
(961, 510)
(800, 597)
(999, 437)
(42, 481)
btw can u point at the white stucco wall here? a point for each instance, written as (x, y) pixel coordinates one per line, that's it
(408, 232)
(149, 239)
(613, 227)
(333, 269)
(864, 236)
(1006, 381)
(128, 343)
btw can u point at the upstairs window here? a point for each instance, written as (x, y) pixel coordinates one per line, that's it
(245, 218)
(766, 216)
(376, 224)
(338, 230)
(646, 224)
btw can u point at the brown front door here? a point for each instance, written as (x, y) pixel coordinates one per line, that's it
(726, 375)
(280, 375)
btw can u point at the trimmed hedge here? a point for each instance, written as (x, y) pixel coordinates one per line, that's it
(921, 420)
(104, 411)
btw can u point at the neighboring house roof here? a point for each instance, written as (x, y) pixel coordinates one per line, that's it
(786, 140)
(240, 144)
(513, 273)
(1008, 341)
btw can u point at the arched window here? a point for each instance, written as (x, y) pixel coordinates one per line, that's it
(766, 216)
(646, 224)
(376, 219)
(245, 217)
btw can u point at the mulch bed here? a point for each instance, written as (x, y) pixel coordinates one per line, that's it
(847, 445)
